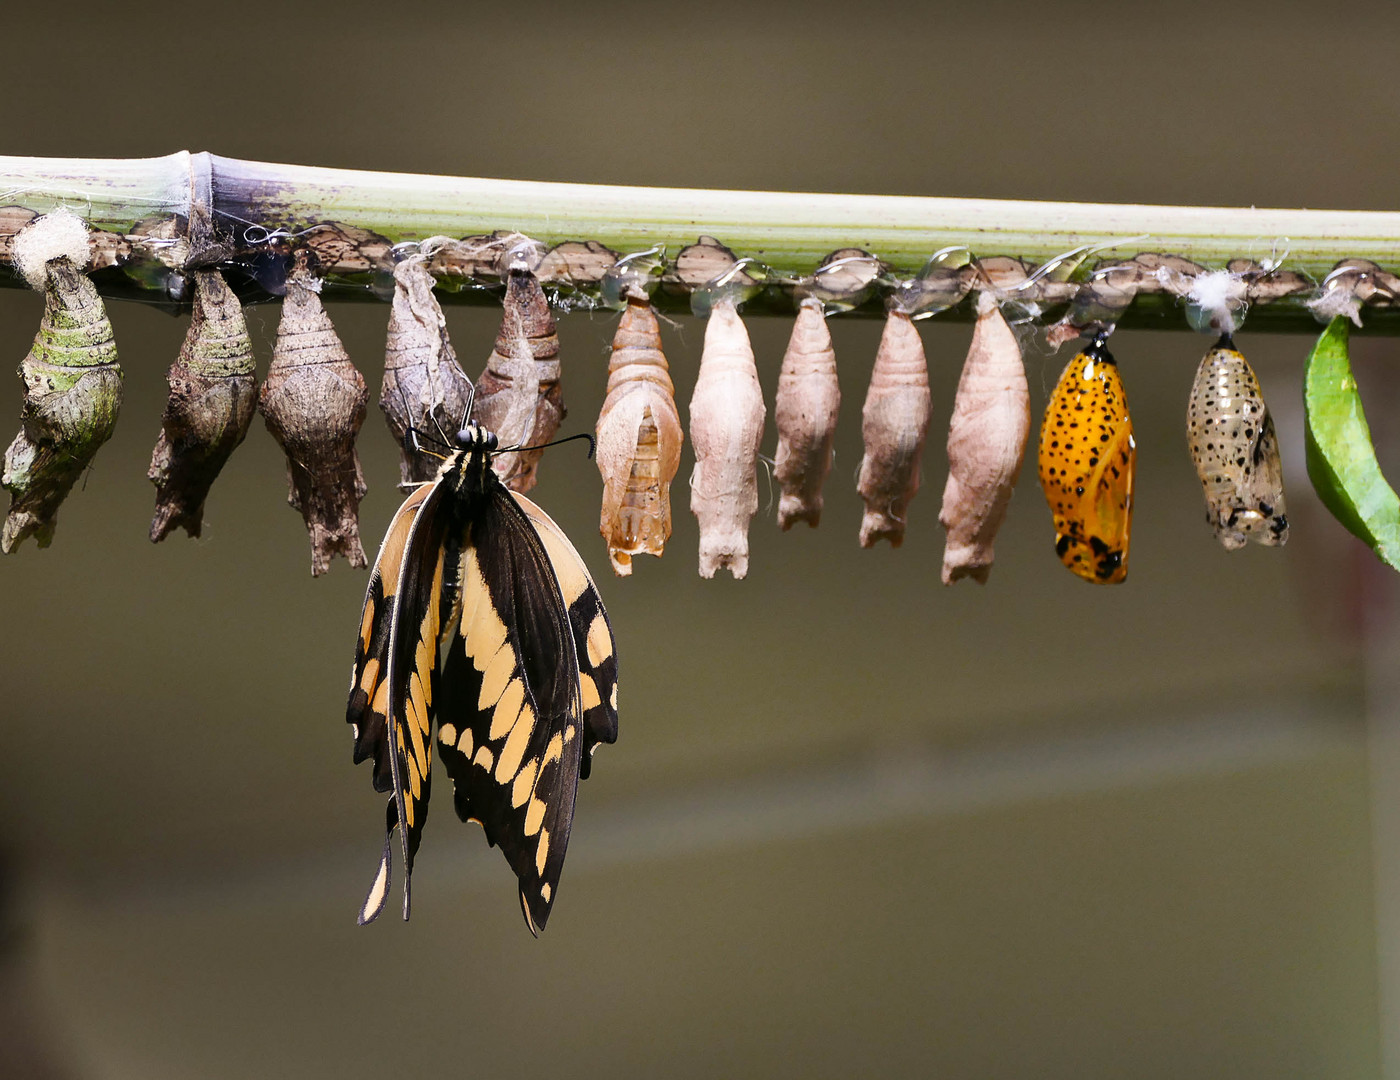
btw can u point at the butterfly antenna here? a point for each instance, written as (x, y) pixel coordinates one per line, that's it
(445, 440)
(471, 403)
(592, 444)
(413, 437)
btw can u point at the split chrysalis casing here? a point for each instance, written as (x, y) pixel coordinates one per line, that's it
(424, 388)
(639, 439)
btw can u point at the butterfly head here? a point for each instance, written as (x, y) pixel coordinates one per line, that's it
(475, 438)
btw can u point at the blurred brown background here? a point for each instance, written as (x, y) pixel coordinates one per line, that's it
(855, 823)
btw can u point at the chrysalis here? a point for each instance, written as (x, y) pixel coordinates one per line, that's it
(1087, 459)
(639, 439)
(424, 387)
(213, 393)
(72, 382)
(986, 443)
(894, 424)
(805, 409)
(313, 401)
(726, 425)
(518, 395)
(1233, 444)
(1342, 463)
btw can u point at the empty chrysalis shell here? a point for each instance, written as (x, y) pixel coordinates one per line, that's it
(805, 410)
(518, 395)
(313, 401)
(424, 390)
(213, 393)
(1087, 461)
(72, 394)
(726, 425)
(639, 439)
(986, 444)
(894, 424)
(1233, 445)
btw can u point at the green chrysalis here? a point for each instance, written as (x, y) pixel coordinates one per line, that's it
(1342, 462)
(72, 392)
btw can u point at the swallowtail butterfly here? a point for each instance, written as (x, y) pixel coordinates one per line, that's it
(526, 692)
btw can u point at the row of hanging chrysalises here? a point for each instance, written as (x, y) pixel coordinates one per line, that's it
(313, 400)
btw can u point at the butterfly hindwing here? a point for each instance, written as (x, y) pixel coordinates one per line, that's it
(511, 731)
(593, 637)
(367, 709)
(401, 645)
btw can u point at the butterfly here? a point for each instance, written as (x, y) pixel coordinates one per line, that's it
(528, 686)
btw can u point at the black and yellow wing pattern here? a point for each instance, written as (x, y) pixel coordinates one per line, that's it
(594, 644)
(528, 688)
(394, 680)
(514, 681)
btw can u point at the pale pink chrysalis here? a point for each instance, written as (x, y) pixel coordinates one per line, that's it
(805, 410)
(986, 444)
(894, 424)
(726, 424)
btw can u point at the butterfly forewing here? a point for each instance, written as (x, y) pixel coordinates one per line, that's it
(592, 632)
(405, 652)
(511, 712)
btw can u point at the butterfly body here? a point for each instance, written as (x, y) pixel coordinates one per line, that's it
(527, 688)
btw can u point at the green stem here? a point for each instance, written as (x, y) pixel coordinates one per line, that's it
(789, 232)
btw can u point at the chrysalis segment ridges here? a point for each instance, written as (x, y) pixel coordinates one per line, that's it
(72, 394)
(213, 395)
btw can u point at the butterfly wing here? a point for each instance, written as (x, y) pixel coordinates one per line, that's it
(395, 676)
(594, 644)
(367, 710)
(512, 715)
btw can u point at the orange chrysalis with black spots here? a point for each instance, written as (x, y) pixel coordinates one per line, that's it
(1087, 459)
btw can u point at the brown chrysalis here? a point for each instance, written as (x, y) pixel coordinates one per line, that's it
(213, 393)
(313, 401)
(518, 395)
(424, 388)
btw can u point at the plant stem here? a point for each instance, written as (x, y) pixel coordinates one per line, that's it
(227, 208)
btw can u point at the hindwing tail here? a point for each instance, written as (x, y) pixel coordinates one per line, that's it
(404, 699)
